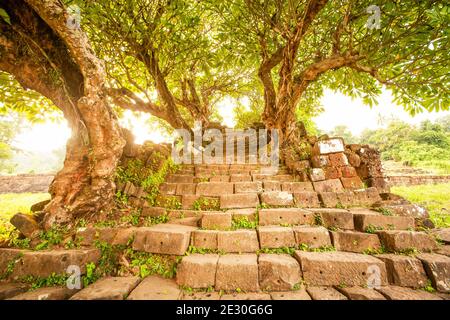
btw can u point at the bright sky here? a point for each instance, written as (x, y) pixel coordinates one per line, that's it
(339, 110)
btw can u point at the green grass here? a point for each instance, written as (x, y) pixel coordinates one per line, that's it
(433, 197)
(436, 166)
(12, 203)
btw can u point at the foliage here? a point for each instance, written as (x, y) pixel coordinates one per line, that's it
(27, 103)
(9, 128)
(12, 203)
(433, 197)
(244, 223)
(148, 177)
(52, 237)
(149, 221)
(343, 132)
(401, 141)
(149, 264)
(50, 281)
(204, 203)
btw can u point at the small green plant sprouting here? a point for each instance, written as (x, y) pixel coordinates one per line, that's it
(149, 264)
(149, 221)
(306, 247)
(90, 276)
(263, 206)
(10, 266)
(372, 251)
(50, 281)
(409, 251)
(133, 218)
(20, 243)
(81, 223)
(318, 219)
(105, 224)
(193, 249)
(52, 237)
(372, 229)
(384, 211)
(283, 250)
(297, 286)
(203, 203)
(243, 223)
(429, 287)
(171, 202)
(339, 205)
(122, 198)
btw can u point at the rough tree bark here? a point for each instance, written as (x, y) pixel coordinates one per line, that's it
(280, 102)
(40, 49)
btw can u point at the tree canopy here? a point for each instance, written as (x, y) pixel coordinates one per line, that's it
(176, 59)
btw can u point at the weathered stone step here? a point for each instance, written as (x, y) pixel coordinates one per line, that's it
(163, 239)
(237, 201)
(237, 241)
(277, 198)
(340, 268)
(358, 242)
(156, 288)
(11, 289)
(334, 218)
(359, 293)
(191, 221)
(246, 272)
(293, 216)
(16, 263)
(437, 268)
(402, 293)
(400, 240)
(46, 293)
(405, 271)
(108, 288)
(363, 222)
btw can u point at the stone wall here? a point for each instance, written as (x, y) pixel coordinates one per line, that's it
(416, 180)
(25, 183)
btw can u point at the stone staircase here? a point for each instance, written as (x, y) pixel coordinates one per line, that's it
(242, 232)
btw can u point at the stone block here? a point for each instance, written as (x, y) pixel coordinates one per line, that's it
(214, 188)
(313, 237)
(108, 288)
(338, 268)
(277, 198)
(242, 200)
(333, 185)
(238, 241)
(276, 216)
(306, 199)
(293, 187)
(438, 269)
(216, 220)
(206, 239)
(237, 271)
(248, 187)
(379, 221)
(278, 272)
(156, 288)
(276, 237)
(404, 271)
(197, 271)
(355, 241)
(399, 240)
(164, 239)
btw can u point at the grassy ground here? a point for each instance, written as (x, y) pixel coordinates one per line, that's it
(12, 203)
(436, 198)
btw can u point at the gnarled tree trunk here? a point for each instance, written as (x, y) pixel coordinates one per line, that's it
(44, 53)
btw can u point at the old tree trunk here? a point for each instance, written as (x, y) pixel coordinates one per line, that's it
(47, 54)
